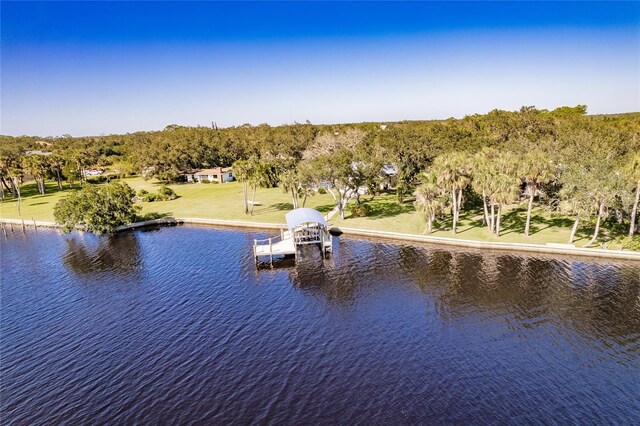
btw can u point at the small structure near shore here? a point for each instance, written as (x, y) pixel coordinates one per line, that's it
(304, 226)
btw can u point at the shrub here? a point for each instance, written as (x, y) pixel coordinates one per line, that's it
(142, 192)
(322, 191)
(97, 179)
(360, 210)
(165, 194)
(98, 208)
(149, 197)
(629, 243)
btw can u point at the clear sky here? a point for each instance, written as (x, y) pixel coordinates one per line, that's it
(93, 68)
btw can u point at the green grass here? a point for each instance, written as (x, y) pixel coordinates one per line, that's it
(388, 215)
(224, 201)
(197, 200)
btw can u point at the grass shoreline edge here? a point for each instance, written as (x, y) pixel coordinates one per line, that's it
(395, 236)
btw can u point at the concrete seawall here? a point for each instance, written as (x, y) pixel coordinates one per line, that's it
(521, 247)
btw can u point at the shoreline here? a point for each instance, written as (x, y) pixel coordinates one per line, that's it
(396, 236)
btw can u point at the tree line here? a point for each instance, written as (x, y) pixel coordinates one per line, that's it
(586, 166)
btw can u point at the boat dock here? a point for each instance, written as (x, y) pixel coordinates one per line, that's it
(304, 226)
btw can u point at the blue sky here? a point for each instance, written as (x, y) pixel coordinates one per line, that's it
(93, 68)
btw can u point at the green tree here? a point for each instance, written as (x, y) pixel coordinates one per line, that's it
(290, 182)
(38, 167)
(454, 175)
(632, 171)
(57, 163)
(429, 199)
(97, 208)
(504, 186)
(537, 169)
(482, 177)
(242, 169)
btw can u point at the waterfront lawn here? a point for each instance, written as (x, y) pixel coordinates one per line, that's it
(195, 200)
(546, 227)
(224, 201)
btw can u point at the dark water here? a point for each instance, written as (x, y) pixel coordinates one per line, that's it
(177, 326)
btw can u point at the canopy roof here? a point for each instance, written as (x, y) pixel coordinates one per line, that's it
(304, 215)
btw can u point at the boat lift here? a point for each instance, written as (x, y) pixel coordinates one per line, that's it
(304, 226)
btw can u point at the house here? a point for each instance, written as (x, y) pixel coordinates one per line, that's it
(38, 152)
(216, 174)
(93, 172)
(389, 176)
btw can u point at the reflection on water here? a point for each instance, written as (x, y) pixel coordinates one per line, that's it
(182, 328)
(118, 254)
(597, 298)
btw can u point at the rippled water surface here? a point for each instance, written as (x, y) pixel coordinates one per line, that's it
(176, 325)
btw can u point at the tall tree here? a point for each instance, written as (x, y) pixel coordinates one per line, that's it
(632, 171)
(242, 171)
(57, 163)
(454, 175)
(504, 186)
(38, 167)
(537, 169)
(429, 199)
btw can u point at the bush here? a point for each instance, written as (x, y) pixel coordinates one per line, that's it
(629, 243)
(360, 210)
(97, 179)
(165, 194)
(149, 197)
(205, 181)
(97, 208)
(142, 192)
(322, 191)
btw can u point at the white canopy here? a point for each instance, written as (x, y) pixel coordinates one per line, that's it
(304, 215)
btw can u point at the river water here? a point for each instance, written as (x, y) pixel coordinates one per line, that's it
(176, 325)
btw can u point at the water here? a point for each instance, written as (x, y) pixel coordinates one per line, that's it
(176, 326)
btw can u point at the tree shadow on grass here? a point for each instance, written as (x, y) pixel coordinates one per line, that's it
(271, 208)
(30, 190)
(514, 221)
(378, 210)
(325, 208)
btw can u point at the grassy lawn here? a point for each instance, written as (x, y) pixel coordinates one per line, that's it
(198, 200)
(224, 201)
(388, 215)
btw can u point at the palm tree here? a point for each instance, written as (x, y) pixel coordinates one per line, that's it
(503, 187)
(537, 170)
(575, 198)
(428, 199)
(453, 176)
(241, 169)
(258, 176)
(506, 190)
(632, 170)
(482, 174)
(290, 183)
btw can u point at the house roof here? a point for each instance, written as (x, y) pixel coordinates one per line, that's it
(38, 152)
(304, 215)
(213, 171)
(206, 172)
